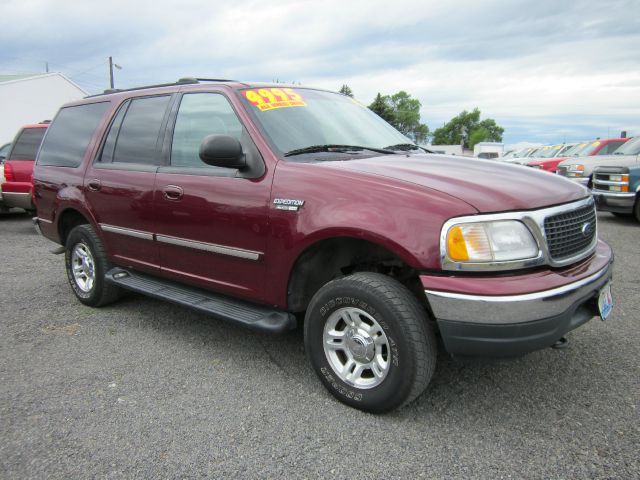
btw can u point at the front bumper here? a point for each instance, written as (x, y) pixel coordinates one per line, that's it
(510, 316)
(615, 202)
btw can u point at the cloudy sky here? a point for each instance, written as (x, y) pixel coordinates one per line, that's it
(547, 71)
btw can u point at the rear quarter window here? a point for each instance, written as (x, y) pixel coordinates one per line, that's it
(70, 134)
(27, 144)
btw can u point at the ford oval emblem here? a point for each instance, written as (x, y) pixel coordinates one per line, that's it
(587, 229)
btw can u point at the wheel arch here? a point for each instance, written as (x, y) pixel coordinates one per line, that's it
(68, 219)
(331, 257)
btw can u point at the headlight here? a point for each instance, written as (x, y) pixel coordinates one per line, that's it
(497, 241)
(575, 170)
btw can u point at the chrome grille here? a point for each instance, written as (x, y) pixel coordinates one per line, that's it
(567, 232)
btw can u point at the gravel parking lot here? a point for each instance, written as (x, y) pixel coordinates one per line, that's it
(146, 389)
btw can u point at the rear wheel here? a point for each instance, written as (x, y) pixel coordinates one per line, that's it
(368, 340)
(86, 264)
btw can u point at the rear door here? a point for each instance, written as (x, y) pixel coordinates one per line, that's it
(211, 222)
(119, 185)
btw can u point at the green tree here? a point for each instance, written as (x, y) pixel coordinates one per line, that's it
(403, 112)
(382, 106)
(467, 127)
(345, 90)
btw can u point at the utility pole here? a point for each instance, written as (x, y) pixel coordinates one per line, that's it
(111, 71)
(46, 67)
(111, 65)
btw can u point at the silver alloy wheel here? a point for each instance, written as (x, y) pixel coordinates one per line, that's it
(356, 347)
(83, 267)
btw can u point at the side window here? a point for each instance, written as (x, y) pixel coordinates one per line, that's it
(134, 133)
(201, 114)
(70, 134)
(112, 137)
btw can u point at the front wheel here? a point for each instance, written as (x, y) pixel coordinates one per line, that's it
(368, 339)
(636, 209)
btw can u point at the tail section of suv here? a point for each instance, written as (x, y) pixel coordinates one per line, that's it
(258, 203)
(18, 166)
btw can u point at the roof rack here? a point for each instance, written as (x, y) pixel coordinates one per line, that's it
(181, 81)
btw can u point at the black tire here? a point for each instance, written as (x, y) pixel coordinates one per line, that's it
(621, 215)
(412, 344)
(636, 209)
(100, 292)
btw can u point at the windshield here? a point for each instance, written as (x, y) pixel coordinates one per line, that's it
(630, 147)
(548, 152)
(574, 150)
(296, 119)
(589, 149)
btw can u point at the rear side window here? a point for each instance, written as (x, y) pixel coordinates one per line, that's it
(133, 136)
(27, 144)
(70, 134)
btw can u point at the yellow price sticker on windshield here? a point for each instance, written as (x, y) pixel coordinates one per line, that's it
(271, 98)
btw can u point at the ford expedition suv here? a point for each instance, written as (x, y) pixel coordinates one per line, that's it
(18, 166)
(261, 203)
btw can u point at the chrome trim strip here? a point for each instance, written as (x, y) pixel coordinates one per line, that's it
(534, 220)
(608, 193)
(610, 182)
(544, 294)
(43, 220)
(127, 231)
(210, 247)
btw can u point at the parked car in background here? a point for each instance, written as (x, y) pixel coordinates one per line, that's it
(617, 190)
(488, 155)
(519, 156)
(580, 169)
(4, 150)
(550, 164)
(18, 166)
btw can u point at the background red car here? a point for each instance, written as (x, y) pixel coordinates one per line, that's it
(585, 149)
(18, 166)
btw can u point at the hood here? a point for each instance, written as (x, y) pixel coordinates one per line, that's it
(603, 161)
(488, 186)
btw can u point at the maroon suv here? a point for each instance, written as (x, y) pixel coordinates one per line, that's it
(260, 203)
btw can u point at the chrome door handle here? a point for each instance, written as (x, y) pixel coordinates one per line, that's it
(173, 192)
(94, 185)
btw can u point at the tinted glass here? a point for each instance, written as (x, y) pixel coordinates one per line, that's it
(630, 147)
(610, 147)
(110, 143)
(136, 141)
(70, 134)
(27, 144)
(201, 114)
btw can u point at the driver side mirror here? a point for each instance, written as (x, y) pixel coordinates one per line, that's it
(222, 151)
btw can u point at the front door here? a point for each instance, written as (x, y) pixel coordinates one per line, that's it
(211, 222)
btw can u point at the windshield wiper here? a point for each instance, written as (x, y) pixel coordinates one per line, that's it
(335, 148)
(403, 146)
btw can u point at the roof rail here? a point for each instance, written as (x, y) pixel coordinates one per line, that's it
(181, 81)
